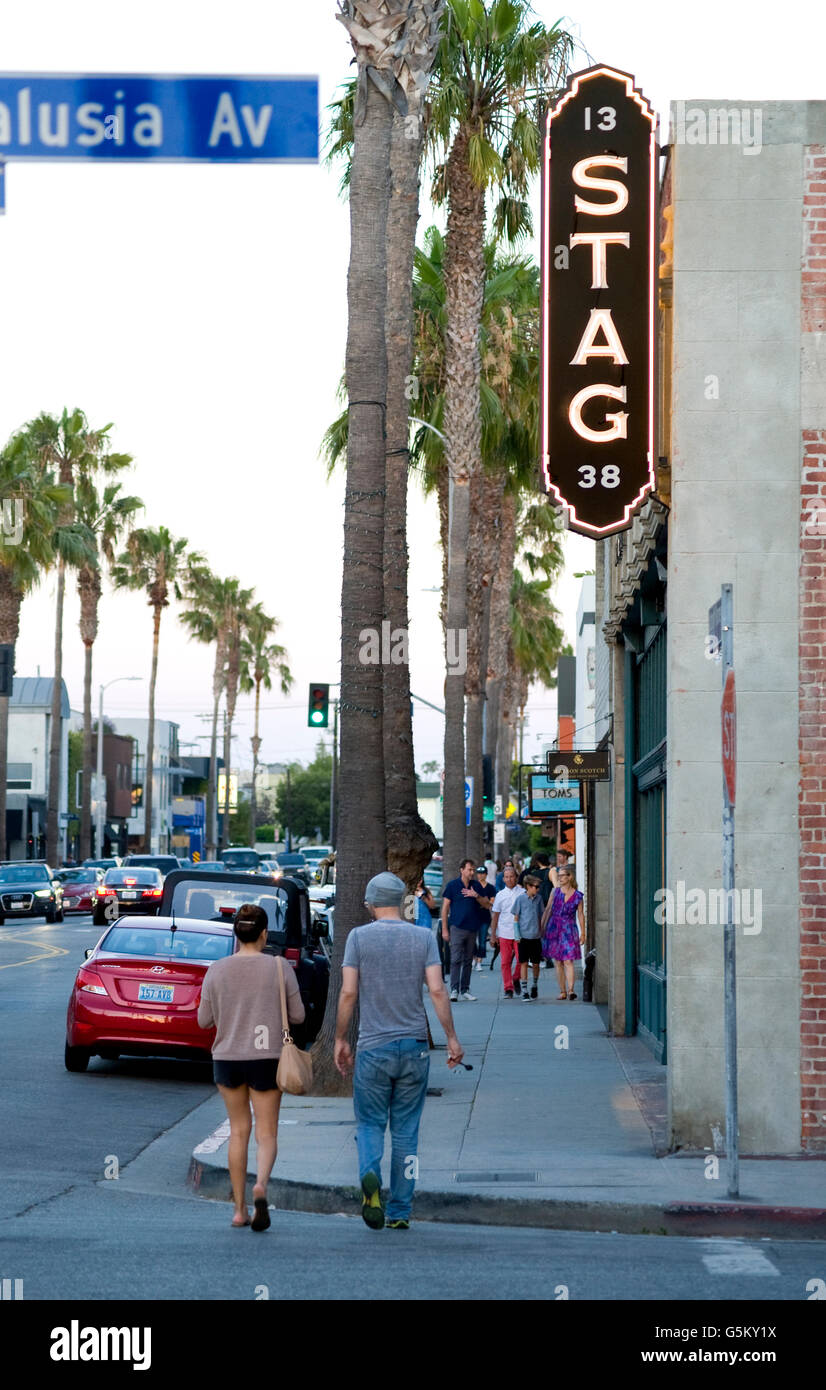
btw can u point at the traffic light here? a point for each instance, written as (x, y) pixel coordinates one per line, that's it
(487, 780)
(319, 709)
(6, 668)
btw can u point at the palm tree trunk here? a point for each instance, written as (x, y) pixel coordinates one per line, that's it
(410, 841)
(10, 600)
(227, 761)
(362, 836)
(486, 502)
(86, 804)
(499, 628)
(56, 726)
(149, 779)
(464, 290)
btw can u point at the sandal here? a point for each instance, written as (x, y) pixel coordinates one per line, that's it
(562, 996)
(572, 995)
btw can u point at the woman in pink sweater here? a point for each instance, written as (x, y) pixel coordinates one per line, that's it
(241, 999)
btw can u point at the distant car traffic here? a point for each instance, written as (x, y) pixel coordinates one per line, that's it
(79, 888)
(322, 907)
(240, 857)
(28, 888)
(215, 866)
(166, 863)
(113, 863)
(434, 879)
(129, 890)
(293, 866)
(138, 991)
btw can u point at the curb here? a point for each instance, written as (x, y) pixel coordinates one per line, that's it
(627, 1218)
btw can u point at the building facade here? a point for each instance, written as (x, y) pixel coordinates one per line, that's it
(740, 499)
(27, 771)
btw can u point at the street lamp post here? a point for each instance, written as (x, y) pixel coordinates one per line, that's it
(99, 817)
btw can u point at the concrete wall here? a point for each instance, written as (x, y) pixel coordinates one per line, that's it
(735, 518)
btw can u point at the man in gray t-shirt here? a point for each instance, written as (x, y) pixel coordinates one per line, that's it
(386, 963)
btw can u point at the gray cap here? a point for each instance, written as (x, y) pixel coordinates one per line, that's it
(385, 890)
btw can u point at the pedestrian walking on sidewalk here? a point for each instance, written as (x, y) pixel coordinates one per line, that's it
(240, 998)
(489, 892)
(527, 915)
(386, 963)
(465, 903)
(563, 924)
(504, 930)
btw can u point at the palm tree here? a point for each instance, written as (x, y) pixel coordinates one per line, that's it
(405, 42)
(154, 561)
(42, 501)
(494, 70)
(68, 445)
(106, 514)
(260, 656)
(535, 643)
(235, 620)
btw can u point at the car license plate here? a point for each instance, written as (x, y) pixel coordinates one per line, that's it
(129, 895)
(156, 994)
(16, 905)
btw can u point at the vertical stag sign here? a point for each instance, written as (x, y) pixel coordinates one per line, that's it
(597, 379)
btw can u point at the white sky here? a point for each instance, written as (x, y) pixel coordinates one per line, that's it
(202, 308)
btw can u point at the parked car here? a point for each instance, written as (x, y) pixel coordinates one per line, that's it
(79, 888)
(240, 857)
(28, 888)
(139, 988)
(164, 862)
(322, 907)
(113, 863)
(129, 890)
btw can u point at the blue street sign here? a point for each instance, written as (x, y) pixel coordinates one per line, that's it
(230, 120)
(2, 187)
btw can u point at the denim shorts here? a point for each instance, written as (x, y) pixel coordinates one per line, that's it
(259, 1073)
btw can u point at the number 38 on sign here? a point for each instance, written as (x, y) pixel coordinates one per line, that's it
(597, 382)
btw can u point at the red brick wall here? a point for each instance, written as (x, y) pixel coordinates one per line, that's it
(812, 670)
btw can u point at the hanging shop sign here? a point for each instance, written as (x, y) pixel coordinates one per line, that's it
(598, 248)
(585, 767)
(547, 798)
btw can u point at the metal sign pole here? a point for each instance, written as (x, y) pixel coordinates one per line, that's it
(729, 938)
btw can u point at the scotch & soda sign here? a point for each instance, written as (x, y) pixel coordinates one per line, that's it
(598, 202)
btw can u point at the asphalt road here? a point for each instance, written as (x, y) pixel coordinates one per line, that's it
(71, 1229)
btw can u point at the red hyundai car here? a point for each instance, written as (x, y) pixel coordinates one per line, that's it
(139, 988)
(79, 888)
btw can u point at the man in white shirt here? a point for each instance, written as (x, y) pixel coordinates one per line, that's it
(505, 929)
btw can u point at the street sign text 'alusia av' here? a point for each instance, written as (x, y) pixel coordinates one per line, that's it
(165, 118)
(598, 247)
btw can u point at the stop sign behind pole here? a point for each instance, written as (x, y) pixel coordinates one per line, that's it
(728, 715)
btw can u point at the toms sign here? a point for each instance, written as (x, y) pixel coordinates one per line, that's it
(597, 384)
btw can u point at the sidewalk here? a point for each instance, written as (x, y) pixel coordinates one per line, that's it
(537, 1134)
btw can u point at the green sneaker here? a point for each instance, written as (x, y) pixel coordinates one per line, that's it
(398, 1225)
(372, 1211)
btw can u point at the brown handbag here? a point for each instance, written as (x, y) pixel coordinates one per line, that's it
(295, 1068)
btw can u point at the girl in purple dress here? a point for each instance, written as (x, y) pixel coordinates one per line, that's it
(563, 925)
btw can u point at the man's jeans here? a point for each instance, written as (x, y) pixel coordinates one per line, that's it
(389, 1084)
(462, 951)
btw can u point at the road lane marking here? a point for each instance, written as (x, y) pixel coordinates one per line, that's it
(214, 1141)
(737, 1259)
(49, 951)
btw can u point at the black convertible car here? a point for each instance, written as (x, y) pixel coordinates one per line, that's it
(216, 897)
